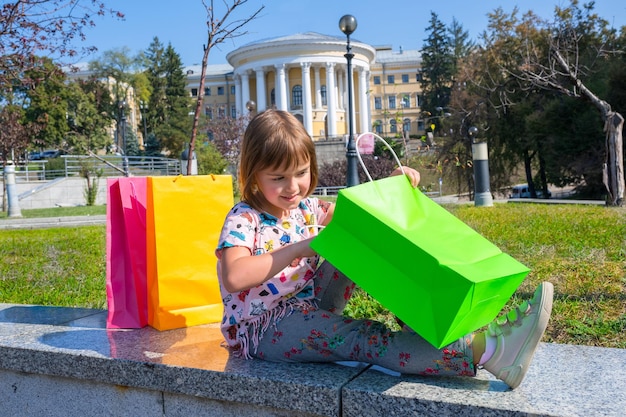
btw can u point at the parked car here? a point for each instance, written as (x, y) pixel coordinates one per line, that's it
(34, 156)
(522, 191)
(53, 153)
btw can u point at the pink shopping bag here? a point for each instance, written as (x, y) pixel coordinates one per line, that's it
(126, 282)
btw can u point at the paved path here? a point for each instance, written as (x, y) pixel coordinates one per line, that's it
(43, 222)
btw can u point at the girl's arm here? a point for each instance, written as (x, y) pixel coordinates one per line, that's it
(241, 271)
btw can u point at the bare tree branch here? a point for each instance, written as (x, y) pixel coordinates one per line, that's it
(218, 30)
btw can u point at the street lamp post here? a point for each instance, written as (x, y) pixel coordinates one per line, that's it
(123, 133)
(480, 158)
(347, 24)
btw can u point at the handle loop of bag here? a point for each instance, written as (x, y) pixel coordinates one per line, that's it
(358, 154)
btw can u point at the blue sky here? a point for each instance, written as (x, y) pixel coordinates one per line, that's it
(397, 23)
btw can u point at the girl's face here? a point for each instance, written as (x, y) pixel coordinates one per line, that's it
(284, 188)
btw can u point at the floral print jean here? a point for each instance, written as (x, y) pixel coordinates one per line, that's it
(324, 335)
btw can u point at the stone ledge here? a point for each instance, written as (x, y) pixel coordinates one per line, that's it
(188, 372)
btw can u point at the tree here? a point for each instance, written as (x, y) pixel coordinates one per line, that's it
(87, 116)
(47, 99)
(168, 105)
(226, 135)
(218, 30)
(437, 66)
(33, 28)
(564, 57)
(154, 61)
(460, 44)
(210, 160)
(14, 133)
(174, 131)
(118, 69)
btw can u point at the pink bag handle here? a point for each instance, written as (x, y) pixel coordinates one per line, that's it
(358, 154)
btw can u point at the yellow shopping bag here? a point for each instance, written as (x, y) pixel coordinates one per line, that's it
(184, 219)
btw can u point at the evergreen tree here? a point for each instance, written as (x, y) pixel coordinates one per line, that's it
(460, 44)
(132, 145)
(152, 146)
(437, 66)
(155, 113)
(168, 110)
(176, 127)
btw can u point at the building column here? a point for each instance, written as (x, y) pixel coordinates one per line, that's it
(352, 117)
(238, 104)
(245, 91)
(341, 87)
(260, 90)
(281, 88)
(364, 108)
(318, 88)
(307, 105)
(331, 99)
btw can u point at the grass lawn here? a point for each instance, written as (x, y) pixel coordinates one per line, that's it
(580, 249)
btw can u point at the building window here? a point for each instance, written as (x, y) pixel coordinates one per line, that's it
(420, 125)
(378, 126)
(273, 97)
(406, 125)
(376, 79)
(220, 91)
(405, 78)
(417, 101)
(392, 102)
(194, 92)
(208, 112)
(232, 90)
(209, 135)
(323, 94)
(391, 79)
(393, 128)
(221, 112)
(406, 101)
(378, 103)
(233, 111)
(296, 96)
(418, 77)
(207, 91)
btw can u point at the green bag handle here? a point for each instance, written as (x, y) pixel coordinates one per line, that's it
(358, 154)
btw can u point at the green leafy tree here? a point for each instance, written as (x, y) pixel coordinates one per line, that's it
(119, 68)
(47, 100)
(87, 117)
(566, 57)
(210, 160)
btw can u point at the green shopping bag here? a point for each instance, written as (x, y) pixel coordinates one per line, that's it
(438, 275)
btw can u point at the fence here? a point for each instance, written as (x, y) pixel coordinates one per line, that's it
(109, 166)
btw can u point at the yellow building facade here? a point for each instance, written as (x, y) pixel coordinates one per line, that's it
(306, 74)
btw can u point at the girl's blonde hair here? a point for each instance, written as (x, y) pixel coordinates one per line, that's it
(274, 139)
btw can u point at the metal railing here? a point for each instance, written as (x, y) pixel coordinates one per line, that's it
(108, 165)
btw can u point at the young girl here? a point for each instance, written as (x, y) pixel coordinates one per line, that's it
(280, 305)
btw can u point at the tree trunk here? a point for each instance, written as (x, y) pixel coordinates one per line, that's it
(198, 109)
(613, 169)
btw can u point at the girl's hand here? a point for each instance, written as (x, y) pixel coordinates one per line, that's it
(412, 174)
